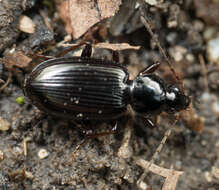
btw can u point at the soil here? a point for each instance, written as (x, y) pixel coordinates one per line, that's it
(184, 30)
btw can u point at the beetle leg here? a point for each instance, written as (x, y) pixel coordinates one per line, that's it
(115, 56)
(44, 57)
(70, 49)
(87, 51)
(88, 135)
(94, 135)
(40, 117)
(150, 69)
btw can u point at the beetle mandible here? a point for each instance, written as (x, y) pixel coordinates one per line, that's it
(85, 88)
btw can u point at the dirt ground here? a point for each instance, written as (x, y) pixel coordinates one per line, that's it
(39, 155)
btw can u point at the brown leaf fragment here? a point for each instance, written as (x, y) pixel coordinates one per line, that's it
(108, 8)
(81, 15)
(63, 13)
(116, 47)
(192, 121)
(18, 59)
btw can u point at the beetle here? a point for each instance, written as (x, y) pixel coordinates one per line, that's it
(84, 88)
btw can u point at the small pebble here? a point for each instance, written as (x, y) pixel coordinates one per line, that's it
(152, 2)
(190, 58)
(29, 175)
(4, 125)
(43, 153)
(26, 25)
(177, 52)
(217, 144)
(125, 151)
(178, 165)
(213, 50)
(215, 172)
(142, 185)
(209, 33)
(208, 176)
(204, 143)
(215, 107)
(1, 155)
(205, 96)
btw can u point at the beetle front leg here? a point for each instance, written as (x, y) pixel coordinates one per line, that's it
(150, 69)
(44, 57)
(87, 51)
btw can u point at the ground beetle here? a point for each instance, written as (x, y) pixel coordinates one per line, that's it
(84, 88)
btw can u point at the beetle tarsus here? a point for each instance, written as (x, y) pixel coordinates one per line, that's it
(115, 56)
(87, 51)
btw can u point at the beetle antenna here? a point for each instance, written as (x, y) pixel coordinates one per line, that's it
(146, 22)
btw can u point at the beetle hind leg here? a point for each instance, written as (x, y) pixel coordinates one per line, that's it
(115, 55)
(90, 134)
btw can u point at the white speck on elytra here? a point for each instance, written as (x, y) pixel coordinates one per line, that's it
(80, 115)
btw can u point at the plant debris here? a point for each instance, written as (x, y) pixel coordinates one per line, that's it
(17, 59)
(79, 16)
(171, 175)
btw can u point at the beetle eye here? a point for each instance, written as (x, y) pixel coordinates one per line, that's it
(174, 88)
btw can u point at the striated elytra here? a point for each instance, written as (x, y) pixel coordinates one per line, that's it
(84, 88)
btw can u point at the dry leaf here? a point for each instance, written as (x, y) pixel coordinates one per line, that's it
(156, 169)
(171, 175)
(192, 121)
(79, 16)
(171, 180)
(116, 47)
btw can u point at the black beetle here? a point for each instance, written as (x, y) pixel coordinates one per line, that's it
(84, 88)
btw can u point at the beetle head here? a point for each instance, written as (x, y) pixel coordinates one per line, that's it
(176, 100)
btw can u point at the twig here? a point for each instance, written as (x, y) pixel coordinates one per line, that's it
(158, 150)
(7, 82)
(171, 175)
(204, 71)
